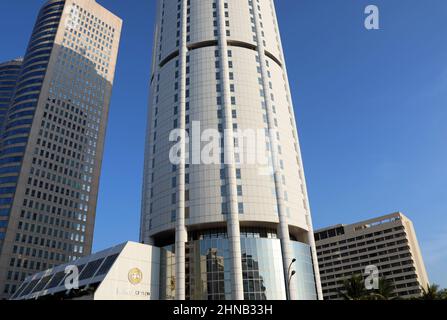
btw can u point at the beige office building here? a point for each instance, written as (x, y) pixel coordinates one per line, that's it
(388, 242)
(53, 138)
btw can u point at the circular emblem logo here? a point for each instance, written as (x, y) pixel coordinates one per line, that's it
(135, 276)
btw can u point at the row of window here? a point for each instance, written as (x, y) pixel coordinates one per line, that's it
(343, 243)
(381, 243)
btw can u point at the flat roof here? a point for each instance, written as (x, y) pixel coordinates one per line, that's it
(370, 222)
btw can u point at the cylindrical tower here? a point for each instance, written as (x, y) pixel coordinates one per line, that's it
(224, 189)
(9, 72)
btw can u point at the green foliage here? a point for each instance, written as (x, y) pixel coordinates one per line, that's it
(354, 289)
(443, 294)
(432, 292)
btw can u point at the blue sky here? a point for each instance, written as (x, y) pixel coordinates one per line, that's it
(371, 108)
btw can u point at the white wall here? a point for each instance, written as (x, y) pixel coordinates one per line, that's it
(116, 285)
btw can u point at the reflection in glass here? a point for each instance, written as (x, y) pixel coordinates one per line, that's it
(167, 273)
(208, 269)
(304, 278)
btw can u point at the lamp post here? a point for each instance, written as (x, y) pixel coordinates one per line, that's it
(289, 277)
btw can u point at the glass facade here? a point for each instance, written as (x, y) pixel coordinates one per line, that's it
(304, 278)
(208, 268)
(167, 273)
(262, 269)
(9, 72)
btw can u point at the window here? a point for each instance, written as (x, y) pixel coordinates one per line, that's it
(224, 208)
(238, 174)
(223, 191)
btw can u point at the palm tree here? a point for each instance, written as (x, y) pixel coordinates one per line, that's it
(385, 291)
(443, 294)
(431, 293)
(353, 288)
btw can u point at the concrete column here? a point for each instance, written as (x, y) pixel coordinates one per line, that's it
(284, 236)
(233, 229)
(311, 240)
(310, 232)
(181, 236)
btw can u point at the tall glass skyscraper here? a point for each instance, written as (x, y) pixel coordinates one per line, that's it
(9, 72)
(231, 228)
(52, 139)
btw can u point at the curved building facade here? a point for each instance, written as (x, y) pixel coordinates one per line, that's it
(9, 72)
(232, 227)
(19, 116)
(53, 138)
